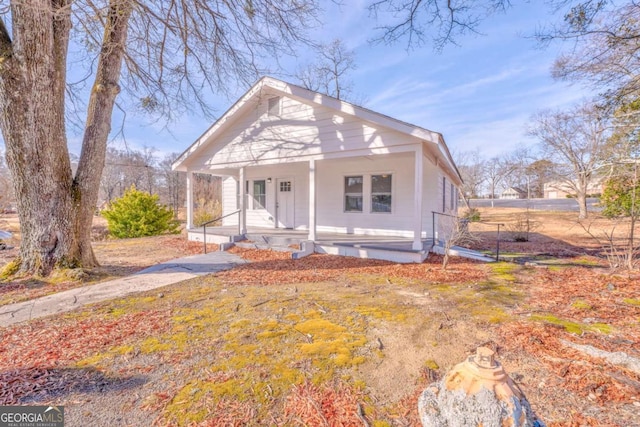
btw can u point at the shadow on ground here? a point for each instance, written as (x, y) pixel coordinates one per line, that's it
(35, 385)
(540, 249)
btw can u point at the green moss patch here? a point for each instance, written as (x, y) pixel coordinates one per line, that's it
(581, 305)
(632, 301)
(571, 326)
(503, 271)
(254, 344)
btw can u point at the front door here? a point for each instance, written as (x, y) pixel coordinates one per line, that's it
(284, 203)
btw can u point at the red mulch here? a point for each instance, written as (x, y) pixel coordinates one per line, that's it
(584, 296)
(277, 268)
(328, 405)
(32, 356)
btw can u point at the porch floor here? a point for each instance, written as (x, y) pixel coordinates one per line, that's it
(390, 248)
(284, 237)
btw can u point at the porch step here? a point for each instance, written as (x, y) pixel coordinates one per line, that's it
(282, 241)
(254, 245)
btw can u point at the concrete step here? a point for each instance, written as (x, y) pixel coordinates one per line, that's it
(463, 252)
(273, 240)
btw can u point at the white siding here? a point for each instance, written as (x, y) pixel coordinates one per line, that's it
(331, 216)
(432, 198)
(277, 129)
(301, 129)
(296, 172)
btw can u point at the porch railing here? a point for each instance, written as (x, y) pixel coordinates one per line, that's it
(434, 217)
(497, 224)
(204, 227)
(464, 223)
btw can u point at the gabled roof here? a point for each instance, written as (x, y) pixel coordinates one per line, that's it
(277, 86)
(514, 190)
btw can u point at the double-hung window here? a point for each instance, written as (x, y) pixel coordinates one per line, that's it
(353, 193)
(381, 193)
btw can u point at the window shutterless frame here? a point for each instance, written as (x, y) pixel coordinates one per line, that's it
(381, 193)
(353, 196)
(259, 194)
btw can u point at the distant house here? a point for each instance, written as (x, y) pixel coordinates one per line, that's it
(294, 159)
(559, 189)
(513, 193)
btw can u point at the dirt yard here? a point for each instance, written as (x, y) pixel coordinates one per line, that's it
(334, 340)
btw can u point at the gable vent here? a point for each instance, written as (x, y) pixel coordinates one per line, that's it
(273, 106)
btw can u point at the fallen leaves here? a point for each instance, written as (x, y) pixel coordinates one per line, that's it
(330, 405)
(34, 357)
(38, 360)
(580, 306)
(120, 257)
(277, 268)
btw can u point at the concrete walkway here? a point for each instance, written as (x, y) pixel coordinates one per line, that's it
(154, 277)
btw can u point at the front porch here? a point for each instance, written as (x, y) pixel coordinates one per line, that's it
(389, 248)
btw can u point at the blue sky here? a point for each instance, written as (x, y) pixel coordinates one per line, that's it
(479, 95)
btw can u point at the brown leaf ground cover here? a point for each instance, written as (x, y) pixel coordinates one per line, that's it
(118, 257)
(332, 341)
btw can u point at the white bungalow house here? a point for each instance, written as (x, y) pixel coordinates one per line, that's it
(513, 193)
(293, 160)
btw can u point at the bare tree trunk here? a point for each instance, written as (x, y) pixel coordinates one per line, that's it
(581, 195)
(55, 211)
(98, 125)
(582, 205)
(32, 82)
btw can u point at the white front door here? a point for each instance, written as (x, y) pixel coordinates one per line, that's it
(284, 203)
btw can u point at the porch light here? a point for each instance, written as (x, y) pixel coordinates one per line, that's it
(268, 180)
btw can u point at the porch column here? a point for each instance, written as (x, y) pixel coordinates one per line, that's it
(312, 200)
(242, 220)
(417, 198)
(189, 200)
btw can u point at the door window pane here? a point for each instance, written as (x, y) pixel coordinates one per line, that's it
(353, 193)
(285, 186)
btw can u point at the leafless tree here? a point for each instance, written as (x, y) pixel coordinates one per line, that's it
(496, 170)
(439, 22)
(538, 173)
(606, 46)
(124, 168)
(112, 183)
(329, 74)
(471, 167)
(575, 141)
(166, 56)
(528, 171)
(172, 183)
(453, 231)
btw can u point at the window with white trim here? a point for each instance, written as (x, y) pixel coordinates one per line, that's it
(381, 193)
(353, 193)
(259, 194)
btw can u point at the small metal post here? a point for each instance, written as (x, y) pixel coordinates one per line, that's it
(204, 236)
(498, 245)
(433, 227)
